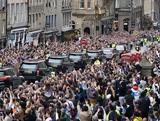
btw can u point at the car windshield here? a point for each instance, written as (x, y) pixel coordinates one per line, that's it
(92, 54)
(1, 73)
(29, 66)
(120, 47)
(107, 51)
(75, 57)
(55, 61)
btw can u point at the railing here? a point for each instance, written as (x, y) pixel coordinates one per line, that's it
(87, 11)
(66, 8)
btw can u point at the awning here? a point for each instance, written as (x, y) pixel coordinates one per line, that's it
(107, 18)
(50, 32)
(37, 31)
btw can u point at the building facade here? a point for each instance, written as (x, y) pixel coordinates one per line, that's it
(87, 15)
(67, 26)
(17, 22)
(129, 14)
(109, 17)
(152, 9)
(51, 18)
(35, 20)
(66, 14)
(3, 22)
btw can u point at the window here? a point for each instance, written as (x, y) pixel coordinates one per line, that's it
(29, 19)
(29, 66)
(1, 73)
(89, 4)
(92, 54)
(2, 4)
(55, 20)
(33, 18)
(81, 3)
(55, 61)
(55, 3)
(75, 57)
(47, 21)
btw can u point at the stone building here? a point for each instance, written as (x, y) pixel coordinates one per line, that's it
(53, 18)
(86, 14)
(109, 17)
(2, 23)
(152, 9)
(35, 20)
(17, 22)
(129, 14)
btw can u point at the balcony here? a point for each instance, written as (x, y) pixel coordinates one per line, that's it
(88, 11)
(36, 9)
(83, 11)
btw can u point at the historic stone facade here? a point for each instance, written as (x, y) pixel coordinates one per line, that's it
(2, 23)
(87, 15)
(17, 22)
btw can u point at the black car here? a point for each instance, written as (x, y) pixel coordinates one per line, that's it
(33, 70)
(9, 78)
(94, 54)
(108, 53)
(79, 59)
(60, 64)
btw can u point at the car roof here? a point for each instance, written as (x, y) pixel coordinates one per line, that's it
(5, 68)
(77, 53)
(58, 57)
(33, 61)
(94, 51)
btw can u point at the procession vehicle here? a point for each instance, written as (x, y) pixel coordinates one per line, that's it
(33, 70)
(79, 59)
(94, 54)
(108, 53)
(60, 64)
(9, 78)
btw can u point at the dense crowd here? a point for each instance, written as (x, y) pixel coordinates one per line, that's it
(108, 91)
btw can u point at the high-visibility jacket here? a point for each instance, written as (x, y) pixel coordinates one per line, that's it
(158, 39)
(97, 63)
(137, 119)
(148, 90)
(113, 45)
(107, 117)
(145, 41)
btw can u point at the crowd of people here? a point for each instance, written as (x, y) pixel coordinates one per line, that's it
(109, 91)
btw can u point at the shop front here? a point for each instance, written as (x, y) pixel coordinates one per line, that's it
(68, 34)
(17, 37)
(106, 24)
(50, 35)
